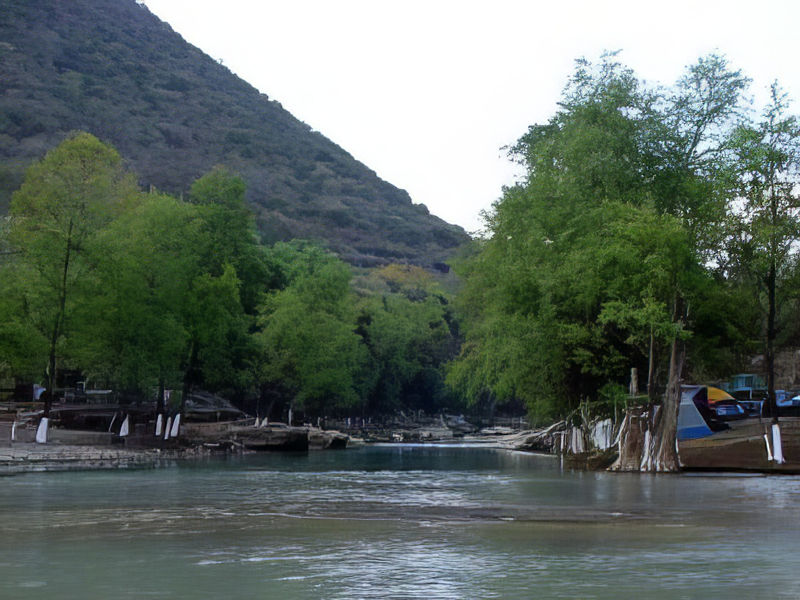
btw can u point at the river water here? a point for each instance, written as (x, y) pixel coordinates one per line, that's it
(396, 522)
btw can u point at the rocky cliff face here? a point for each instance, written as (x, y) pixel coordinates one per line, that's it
(112, 68)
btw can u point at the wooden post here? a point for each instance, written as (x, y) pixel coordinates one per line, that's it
(634, 387)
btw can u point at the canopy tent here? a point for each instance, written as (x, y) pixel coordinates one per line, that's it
(691, 424)
(717, 395)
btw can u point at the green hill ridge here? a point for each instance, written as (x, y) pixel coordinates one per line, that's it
(112, 68)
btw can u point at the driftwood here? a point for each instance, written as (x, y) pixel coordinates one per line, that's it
(543, 440)
(566, 439)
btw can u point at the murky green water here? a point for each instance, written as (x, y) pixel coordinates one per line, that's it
(396, 522)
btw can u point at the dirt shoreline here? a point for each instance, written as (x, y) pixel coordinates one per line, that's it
(29, 457)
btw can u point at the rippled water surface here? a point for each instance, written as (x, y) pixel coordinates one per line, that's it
(396, 522)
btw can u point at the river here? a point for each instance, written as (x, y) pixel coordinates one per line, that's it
(432, 522)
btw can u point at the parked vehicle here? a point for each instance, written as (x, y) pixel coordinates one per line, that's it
(729, 410)
(752, 408)
(724, 406)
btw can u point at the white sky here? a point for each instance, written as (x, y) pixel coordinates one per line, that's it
(427, 92)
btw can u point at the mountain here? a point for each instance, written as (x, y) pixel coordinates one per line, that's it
(114, 69)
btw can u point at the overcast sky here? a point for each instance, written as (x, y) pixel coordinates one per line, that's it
(426, 92)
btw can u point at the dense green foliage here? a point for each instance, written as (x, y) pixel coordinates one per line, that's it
(112, 68)
(653, 225)
(142, 291)
(56, 215)
(310, 350)
(370, 347)
(618, 243)
(767, 225)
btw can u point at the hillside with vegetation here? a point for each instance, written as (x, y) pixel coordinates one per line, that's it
(111, 68)
(140, 292)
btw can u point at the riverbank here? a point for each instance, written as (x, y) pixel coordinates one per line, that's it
(201, 442)
(72, 450)
(75, 450)
(26, 457)
(89, 450)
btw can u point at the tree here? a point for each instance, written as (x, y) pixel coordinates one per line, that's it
(692, 187)
(65, 199)
(311, 356)
(219, 344)
(230, 236)
(768, 161)
(536, 280)
(598, 251)
(223, 298)
(133, 336)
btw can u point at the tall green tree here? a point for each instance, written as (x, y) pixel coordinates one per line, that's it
(230, 236)
(536, 280)
(596, 254)
(133, 337)
(224, 298)
(690, 154)
(311, 357)
(768, 161)
(65, 199)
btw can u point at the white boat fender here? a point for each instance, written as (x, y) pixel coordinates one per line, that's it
(14, 431)
(167, 428)
(159, 424)
(766, 443)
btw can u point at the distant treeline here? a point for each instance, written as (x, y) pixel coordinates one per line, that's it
(142, 292)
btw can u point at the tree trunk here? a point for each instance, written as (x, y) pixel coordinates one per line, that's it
(663, 457)
(270, 406)
(57, 326)
(51, 375)
(160, 404)
(188, 375)
(631, 440)
(772, 401)
(634, 387)
(651, 369)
